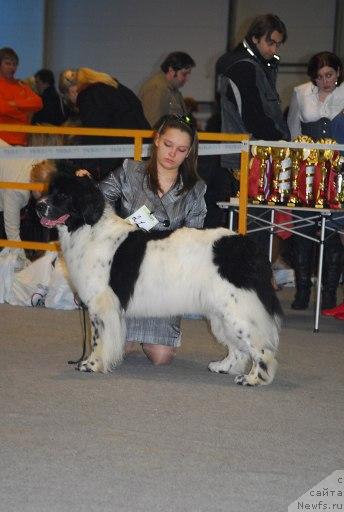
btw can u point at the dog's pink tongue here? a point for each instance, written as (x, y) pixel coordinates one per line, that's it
(47, 223)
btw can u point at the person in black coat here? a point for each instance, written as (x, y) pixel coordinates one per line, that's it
(102, 102)
(52, 112)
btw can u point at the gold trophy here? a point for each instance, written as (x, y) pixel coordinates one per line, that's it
(312, 157)
(325, 158)
(340, 181)
(262, 153)
(298, 155)
(278, 155)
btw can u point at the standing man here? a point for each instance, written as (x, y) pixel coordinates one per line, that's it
(160, 94)
(51, 112)
(17, 101)
(247, 84)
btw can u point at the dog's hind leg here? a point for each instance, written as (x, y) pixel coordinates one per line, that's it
(107, 333)
(237, 361)
(263, 369)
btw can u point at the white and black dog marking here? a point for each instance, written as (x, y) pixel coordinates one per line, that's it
(119, 270)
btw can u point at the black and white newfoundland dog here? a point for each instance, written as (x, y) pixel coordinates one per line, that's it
(118, 270)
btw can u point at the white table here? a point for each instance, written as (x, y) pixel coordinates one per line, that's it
(322, 215)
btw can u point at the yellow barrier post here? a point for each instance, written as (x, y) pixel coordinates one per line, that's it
(138, 136)
(243, 195)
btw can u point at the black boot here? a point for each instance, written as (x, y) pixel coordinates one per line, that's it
(303, 266)
(331, 272)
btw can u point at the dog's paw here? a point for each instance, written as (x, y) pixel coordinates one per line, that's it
(241, 380)
(246, 380)
(89, 365)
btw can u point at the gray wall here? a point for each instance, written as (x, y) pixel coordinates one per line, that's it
(129, 38)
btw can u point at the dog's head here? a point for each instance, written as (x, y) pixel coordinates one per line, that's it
(71, 200)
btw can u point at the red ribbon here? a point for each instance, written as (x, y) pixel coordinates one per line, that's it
(283, 218)
(301, 183)
(253, 178)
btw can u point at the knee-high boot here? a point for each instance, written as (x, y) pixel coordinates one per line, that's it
(332, 269)
(303, 266)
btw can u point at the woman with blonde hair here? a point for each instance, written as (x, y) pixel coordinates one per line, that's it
(102, 102)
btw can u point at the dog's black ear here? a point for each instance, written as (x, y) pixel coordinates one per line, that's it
(89, 201)
(67, 167)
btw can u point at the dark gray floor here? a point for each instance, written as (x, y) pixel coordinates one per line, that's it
(164, 439)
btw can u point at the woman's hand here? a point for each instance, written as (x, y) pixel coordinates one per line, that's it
(83, 172)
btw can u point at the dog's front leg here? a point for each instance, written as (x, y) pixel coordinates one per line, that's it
(107, 333)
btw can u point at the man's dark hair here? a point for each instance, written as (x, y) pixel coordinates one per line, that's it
(265, 25)
(8, 53)
(177, 61)
(46, 76)
(322, 59)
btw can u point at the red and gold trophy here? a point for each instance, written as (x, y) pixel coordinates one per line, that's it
(279, 155)
(331, 184)
(298, 163)
(324, 176)
(306, 175)
(340, 182)
(258, 166)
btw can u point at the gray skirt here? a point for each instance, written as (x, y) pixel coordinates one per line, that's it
(158, 331)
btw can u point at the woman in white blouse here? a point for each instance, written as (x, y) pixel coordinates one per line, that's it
(315, 103)
(312, 108)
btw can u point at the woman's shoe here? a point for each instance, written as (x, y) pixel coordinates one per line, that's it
(339, 310)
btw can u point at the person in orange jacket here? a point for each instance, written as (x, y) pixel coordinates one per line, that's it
(17, 100)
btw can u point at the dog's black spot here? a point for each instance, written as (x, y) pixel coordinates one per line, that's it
(241, 261)
(263, 366)
(127, 261)
(261, 377)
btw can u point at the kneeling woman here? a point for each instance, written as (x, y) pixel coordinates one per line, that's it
(168, 185)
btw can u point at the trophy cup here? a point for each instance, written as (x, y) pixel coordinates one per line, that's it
(278, 155)
(325, 161)
(331, 185)
(340, 181)
(262, 154)
(311, 161)
(298, 157)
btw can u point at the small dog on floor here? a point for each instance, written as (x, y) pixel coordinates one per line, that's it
(118, 269)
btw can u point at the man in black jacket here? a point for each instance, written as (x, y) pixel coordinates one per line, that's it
(247, 87)
(51, 113)
(247, 84)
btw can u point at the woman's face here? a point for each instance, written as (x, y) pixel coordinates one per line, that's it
(326, 79)
(173, 147)
(72, 93)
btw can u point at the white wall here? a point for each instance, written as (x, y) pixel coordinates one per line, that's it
(21, 28)
(130, 38)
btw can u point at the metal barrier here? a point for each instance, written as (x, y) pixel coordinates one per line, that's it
(138, 136)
